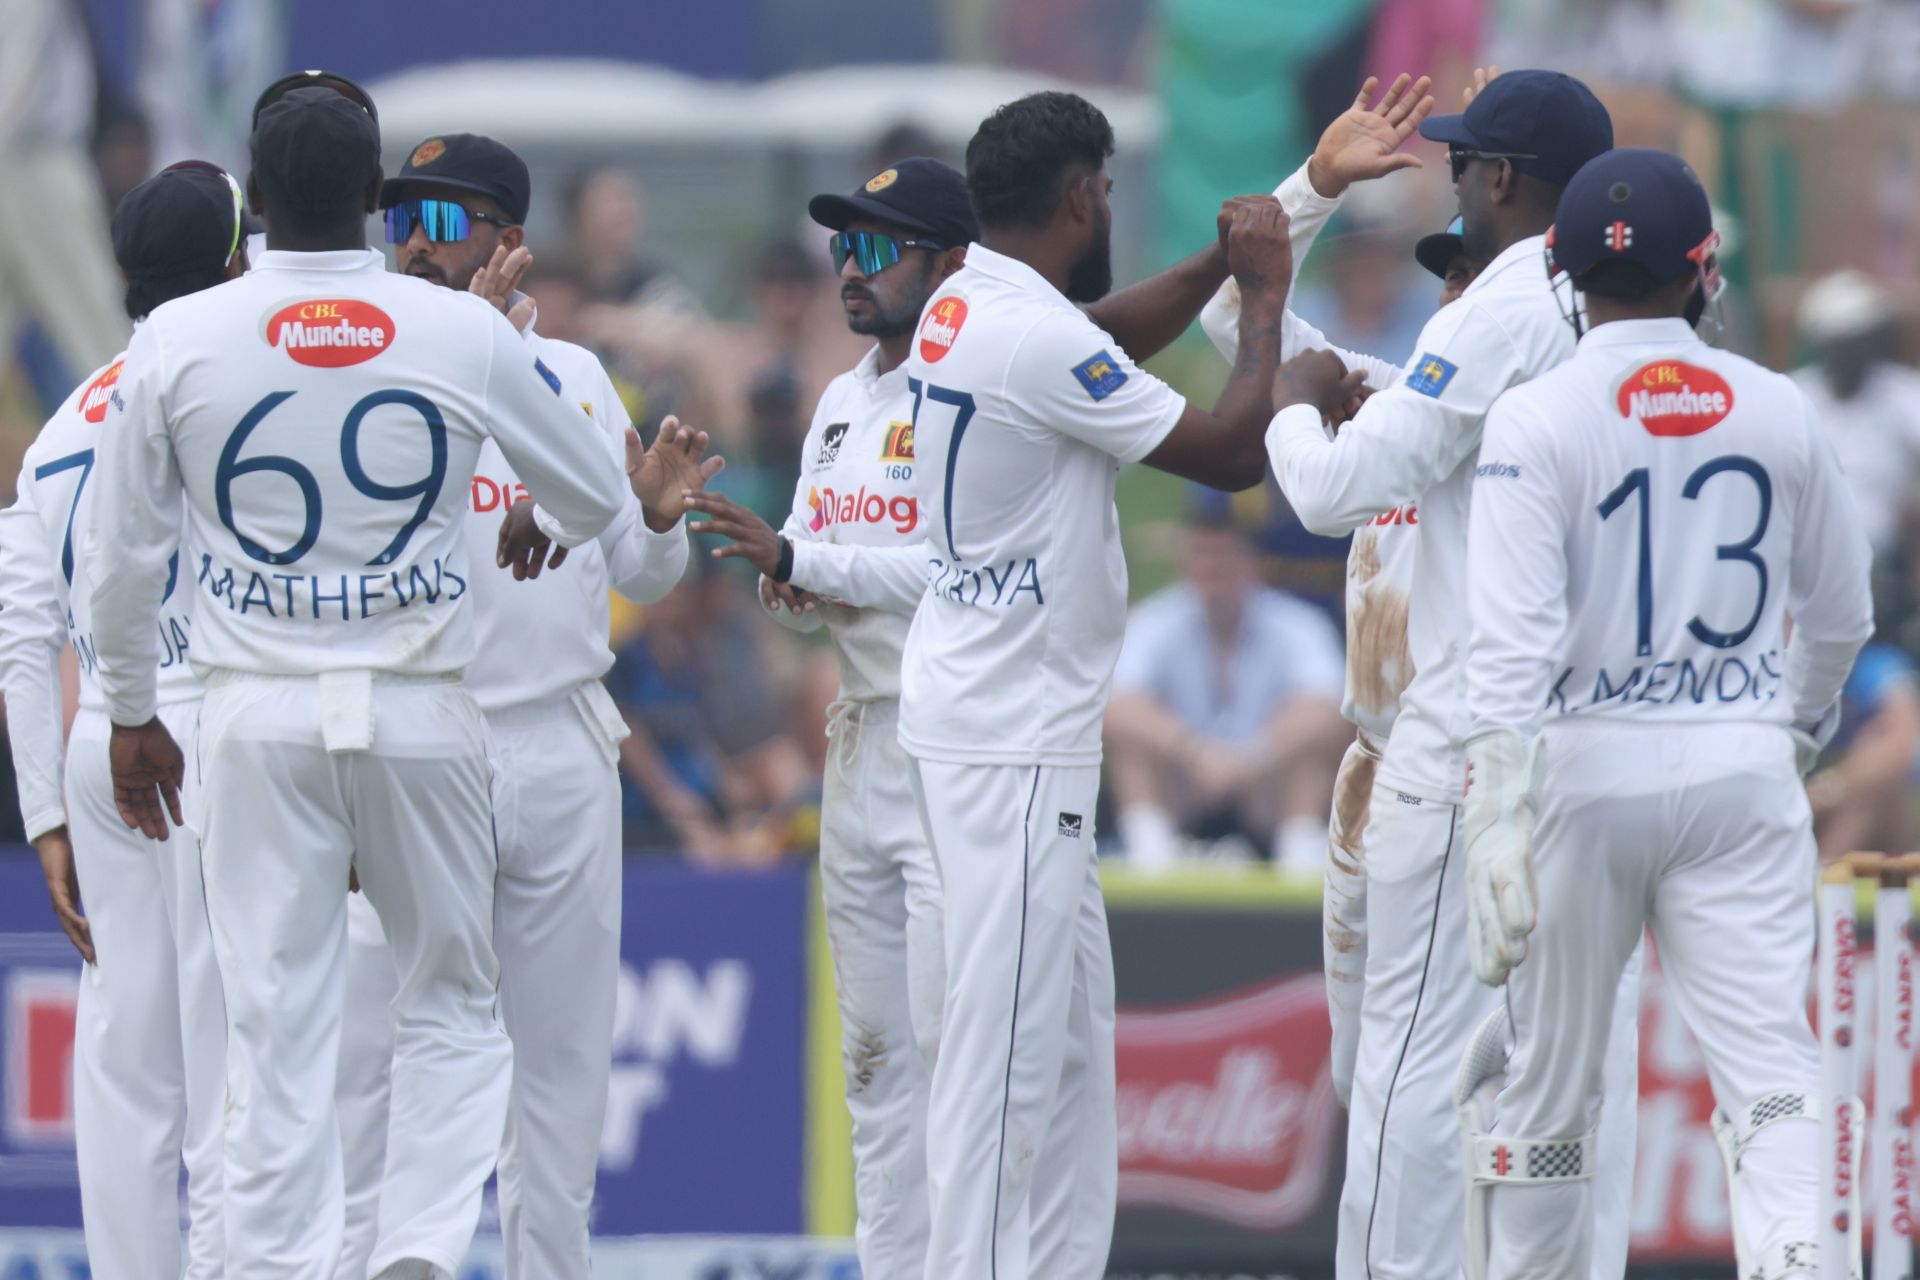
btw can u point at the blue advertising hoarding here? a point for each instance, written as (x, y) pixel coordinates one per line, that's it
(706, 1121)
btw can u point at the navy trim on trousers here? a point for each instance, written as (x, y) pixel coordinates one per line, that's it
(1386, 1108)
(1013, 1023)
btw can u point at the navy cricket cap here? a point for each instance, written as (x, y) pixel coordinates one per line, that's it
(923, 196)
(184, 220)
(1436, 251)
(312, 137)
(465, 162)
(1634, 205)
(1546, 122)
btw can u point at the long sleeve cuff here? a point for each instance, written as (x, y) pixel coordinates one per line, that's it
(550, 525)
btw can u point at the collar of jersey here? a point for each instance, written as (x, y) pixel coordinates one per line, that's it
(1666, 332)
(869, 375)
(332, 260)
(1532, 249)
(1012, 271)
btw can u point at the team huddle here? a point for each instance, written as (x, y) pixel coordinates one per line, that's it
(342, 791)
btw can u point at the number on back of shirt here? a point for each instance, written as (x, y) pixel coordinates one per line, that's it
(1637, 488)
(426, 490)
(961, 403)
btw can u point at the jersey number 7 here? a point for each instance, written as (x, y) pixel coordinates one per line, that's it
(963, 408)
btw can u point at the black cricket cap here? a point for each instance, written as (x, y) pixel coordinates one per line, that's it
(1634, 205)
(920, 195)
(465, 162)
(1546, 122)
(332, 80)
(312, 144)
(185, 220)
(1436, 251)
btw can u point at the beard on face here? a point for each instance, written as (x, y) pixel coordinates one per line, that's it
(896, 319)
(425, 269)
(1090, 278)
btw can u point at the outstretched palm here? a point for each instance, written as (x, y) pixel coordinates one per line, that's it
(1363, 141)
(662, 475)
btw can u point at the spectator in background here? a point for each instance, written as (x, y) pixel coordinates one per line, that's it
(1862, 800)
(900, 140)
(711, 766)
(56, 266)
(1369, 299)
(1868, 401)
(122, 153)
(607, 218)
(1225, 720)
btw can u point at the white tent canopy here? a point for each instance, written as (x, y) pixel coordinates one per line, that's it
(595, 102)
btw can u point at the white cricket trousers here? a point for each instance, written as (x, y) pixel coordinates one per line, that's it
(1403, 1205)
(1702, 832)
(282, 821)
(150, 1032)
(557, 933)
(882, 900)
(1022, 1140)
(365, 1081)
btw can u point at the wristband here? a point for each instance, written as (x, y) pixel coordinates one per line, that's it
(784, 569)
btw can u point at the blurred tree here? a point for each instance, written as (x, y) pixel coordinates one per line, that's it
(1230, 82)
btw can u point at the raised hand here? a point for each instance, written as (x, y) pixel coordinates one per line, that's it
(497, 281)
(1258, 251)
(1363, 141)
(661, 476)
(522, 547)
(1223, 222)
(1481, 75)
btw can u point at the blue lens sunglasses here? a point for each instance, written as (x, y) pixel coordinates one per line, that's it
(444, 221)
(871, 250)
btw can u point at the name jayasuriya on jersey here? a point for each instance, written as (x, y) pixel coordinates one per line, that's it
(357, 596)
(986, 585)
(1670, 682)
(174, 629)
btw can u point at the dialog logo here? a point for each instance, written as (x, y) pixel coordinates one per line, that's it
(93, 405)
(940, 327)
(330, 333)
(1671, 398)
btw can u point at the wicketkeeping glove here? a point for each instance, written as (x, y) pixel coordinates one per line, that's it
(1497, 821)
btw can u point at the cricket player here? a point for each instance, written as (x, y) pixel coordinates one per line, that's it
(315, 423)
(1645, 519)
(1520, 140)
(868, 545)
(150, 1032)
(896, 239)
(456, 216)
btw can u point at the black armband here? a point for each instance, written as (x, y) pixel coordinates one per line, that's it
(784, 569)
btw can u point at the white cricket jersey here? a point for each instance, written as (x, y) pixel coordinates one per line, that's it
(315, 423)
(46, 601)
(562, 616)
(1380, 559)
(1416, 442)
(1024, 411)
(857, 489)
(1645, 519)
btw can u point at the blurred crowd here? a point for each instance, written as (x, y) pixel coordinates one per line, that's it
(1225, 728)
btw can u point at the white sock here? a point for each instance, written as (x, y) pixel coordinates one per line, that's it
(1301, 845)
(1149, 836)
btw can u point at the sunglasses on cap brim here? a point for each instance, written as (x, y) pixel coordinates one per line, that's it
(233, 187)
(872, 251)
(314, 80)
(444, 221)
